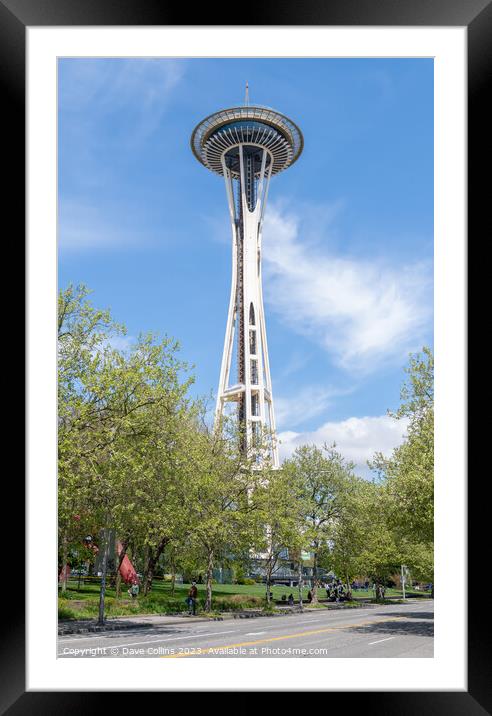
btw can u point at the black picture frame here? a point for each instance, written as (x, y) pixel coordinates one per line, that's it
(15, 17)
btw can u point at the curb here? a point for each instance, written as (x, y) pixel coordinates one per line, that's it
(62, 631)
(95, 628)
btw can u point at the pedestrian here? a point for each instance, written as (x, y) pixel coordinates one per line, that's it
(328, 591)
(192, 595)
(134, 589)
(291, 600)
(310, 596)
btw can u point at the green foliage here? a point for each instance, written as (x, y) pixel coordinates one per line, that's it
(407, 477)
(65, 613)
(324, 480)
(135, 454)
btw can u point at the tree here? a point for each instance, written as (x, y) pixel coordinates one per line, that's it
(119, 414)
(381, 553)
(349, 536)
(82, 332)
(215, 496)
(324, 477)
(280, 520)
(408, 474)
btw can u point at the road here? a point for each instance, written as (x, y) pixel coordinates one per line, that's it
(394, 630)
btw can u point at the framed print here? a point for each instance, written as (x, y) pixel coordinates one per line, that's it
(92, 136)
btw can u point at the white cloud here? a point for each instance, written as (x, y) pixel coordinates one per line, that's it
(121, 342)
(304, 405)
(363, 312)
(357, 439)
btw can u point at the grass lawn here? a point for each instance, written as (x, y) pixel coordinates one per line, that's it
(83, 603)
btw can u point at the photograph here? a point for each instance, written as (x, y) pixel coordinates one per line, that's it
(245, 415)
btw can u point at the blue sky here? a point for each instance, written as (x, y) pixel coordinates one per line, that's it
(348, 235)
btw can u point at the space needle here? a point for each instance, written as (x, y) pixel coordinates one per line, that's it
(247, 145)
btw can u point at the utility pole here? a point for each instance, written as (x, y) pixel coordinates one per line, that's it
(104, 569)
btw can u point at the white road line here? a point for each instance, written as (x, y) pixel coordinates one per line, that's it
(83, 637)
(380, 640)
(177, 638)
(254, 633)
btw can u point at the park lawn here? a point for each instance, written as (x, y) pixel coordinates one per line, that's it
(83, 603)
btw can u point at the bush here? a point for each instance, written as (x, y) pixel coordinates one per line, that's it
(65, 613)
(245, 580)
(69, 595)
(236, 602)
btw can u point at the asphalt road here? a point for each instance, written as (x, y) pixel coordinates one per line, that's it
(375, 632)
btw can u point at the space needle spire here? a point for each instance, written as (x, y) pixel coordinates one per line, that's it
(247, 145)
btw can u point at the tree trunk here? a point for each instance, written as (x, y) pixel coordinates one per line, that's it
(119, 561)
(349, 588)
(146, 553)
(314, 588)
(208, 589)
(152, 563)
(268, 582)
(300, 582)
(64, 563)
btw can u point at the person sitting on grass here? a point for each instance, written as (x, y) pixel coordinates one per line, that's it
(134, 589)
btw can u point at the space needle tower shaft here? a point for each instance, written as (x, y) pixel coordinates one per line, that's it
(247, 146)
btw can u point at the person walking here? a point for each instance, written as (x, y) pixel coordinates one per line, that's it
(192, 595)
(291, 600)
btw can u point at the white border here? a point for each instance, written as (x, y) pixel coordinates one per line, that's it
(447, 670)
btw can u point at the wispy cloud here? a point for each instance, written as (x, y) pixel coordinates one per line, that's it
(109, 108)
(304, 404)
(357, 439)
(363, 312)
(139, 87)
(82, 226)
